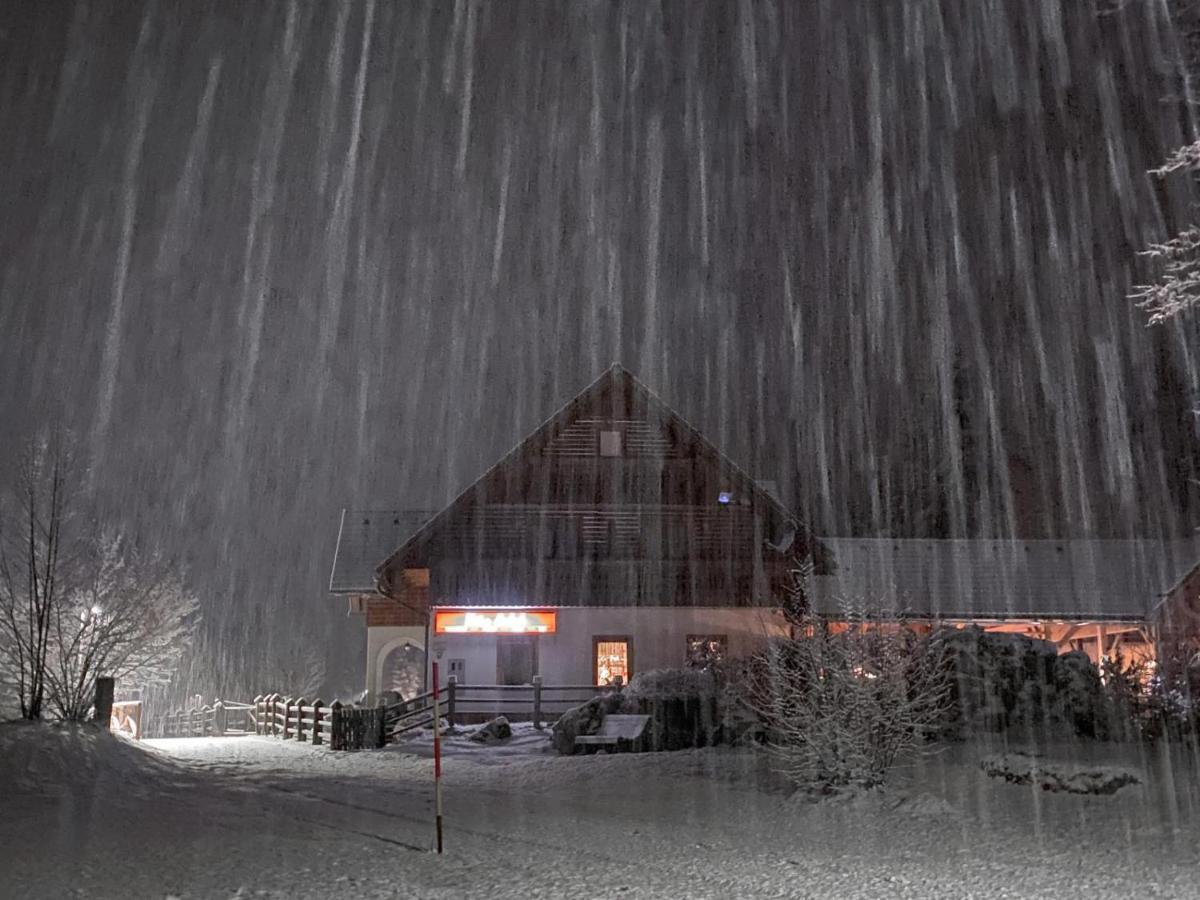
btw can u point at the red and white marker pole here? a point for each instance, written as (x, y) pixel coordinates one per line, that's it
(437, 757)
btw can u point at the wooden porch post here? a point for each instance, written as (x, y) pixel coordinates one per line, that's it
(316, 723)
(105, 686)
(537, 702)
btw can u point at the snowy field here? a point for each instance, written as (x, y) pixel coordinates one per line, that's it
(88, 815)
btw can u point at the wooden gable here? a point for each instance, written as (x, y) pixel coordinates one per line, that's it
(1178, 614)
(614, 477)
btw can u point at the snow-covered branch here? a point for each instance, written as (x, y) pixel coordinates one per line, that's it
(843, 701)
(1186, 158)
(76, 600)
(36, 544)
(129, 616)
(1177, 288)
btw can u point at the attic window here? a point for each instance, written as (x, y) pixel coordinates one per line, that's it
(610, 443)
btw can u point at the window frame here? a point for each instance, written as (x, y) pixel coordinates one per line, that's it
(600, 433)
(509, 640)
(704, 636)
(597, 640)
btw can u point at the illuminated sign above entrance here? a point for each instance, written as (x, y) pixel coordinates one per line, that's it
(495, 621)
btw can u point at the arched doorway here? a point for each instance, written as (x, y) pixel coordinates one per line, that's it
(403, 671)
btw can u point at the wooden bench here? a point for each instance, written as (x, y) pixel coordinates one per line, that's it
(614, 730)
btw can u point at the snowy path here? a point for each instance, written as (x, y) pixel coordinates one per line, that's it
(260, 817)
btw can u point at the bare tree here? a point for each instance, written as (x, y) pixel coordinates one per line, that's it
(128, 616)
(75, 600)
(36, 548)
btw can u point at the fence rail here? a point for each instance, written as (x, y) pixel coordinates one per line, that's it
(342, 727)
(542, 702)
(221, 718)
(336, 726)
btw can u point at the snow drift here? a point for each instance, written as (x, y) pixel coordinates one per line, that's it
(66, 757)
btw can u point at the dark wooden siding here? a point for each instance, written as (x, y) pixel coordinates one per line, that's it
(668, 522)
(514, 582)
(629, 532)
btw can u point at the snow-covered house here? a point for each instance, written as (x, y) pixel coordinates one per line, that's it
(615, 538)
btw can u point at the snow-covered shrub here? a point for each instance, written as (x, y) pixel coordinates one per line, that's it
(1005, 681)
(1080, 701)
(841, 707)
(1127, 695)
(1008, 681)
(675, 684)
(1025, 768)
(1122, 699)
(1177, 682)
(582, 720)
(1000, 680)
(1144, 701)
(685, 707)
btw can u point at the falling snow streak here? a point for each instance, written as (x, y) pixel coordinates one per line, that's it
(259, 244)
(277, 259)
(338, 235)
(143, 88)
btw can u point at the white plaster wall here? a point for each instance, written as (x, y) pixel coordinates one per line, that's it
(380, 642)
(658, 638)
(478, 651)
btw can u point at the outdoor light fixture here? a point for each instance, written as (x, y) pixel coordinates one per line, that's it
(725, 498)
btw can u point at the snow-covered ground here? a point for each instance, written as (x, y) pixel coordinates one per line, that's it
(88, 815)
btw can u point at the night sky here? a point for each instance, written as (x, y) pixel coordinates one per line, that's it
(268, 260)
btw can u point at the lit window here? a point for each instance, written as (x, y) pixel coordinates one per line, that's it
(705, 650)
(610, 443)
(612, 659)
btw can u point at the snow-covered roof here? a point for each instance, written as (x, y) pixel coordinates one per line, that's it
(1067, 579)
(367, 537)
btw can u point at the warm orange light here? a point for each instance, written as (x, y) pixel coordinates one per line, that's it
(495, 621)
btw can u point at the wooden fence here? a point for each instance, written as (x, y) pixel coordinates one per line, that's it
(336, 726)
(224, 717)
(356, 727)
(541, 703)
(342, 727)
(458, 703)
